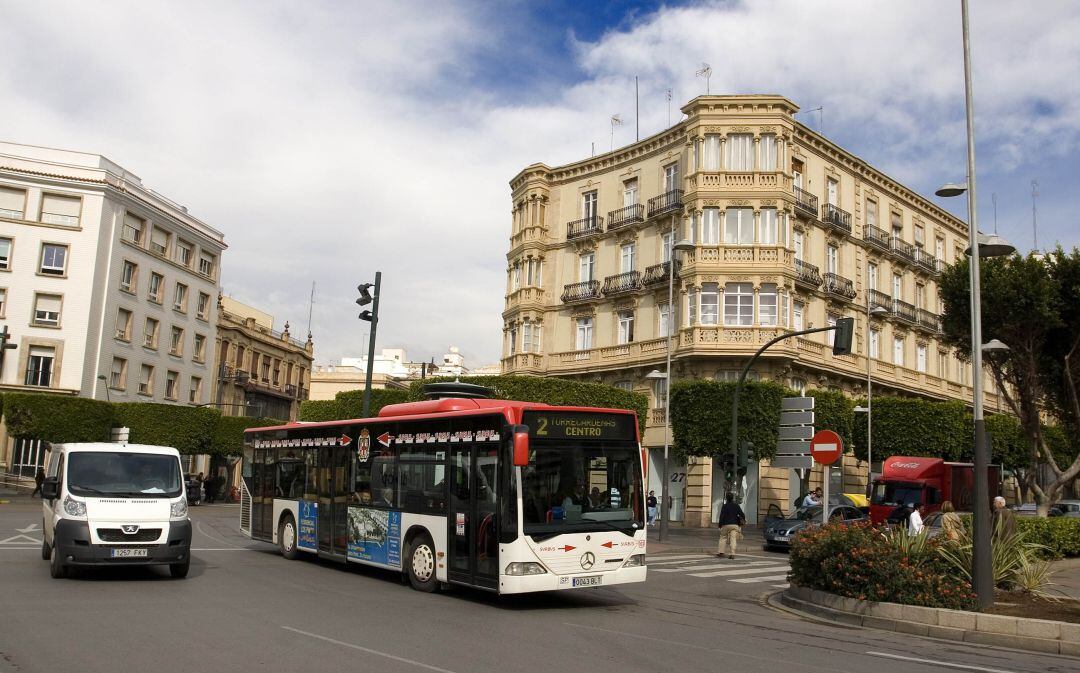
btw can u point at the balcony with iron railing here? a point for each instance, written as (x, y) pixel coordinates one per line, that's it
(902, 249)
(839, 286)
(905, 311)
(806, 202)
(926, 261)
(837, 218)
(878, 238)
(621, 283)
(807, 274)
(626, 216)
(668, 202)
(880, 299)
(658, 273)
(928, 320)
(583, 291)
(586, 226)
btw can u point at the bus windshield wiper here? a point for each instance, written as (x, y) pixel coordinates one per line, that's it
(603, 521)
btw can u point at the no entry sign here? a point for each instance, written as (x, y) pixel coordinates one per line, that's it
(826, 447)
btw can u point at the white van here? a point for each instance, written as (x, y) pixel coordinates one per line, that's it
(115, 504)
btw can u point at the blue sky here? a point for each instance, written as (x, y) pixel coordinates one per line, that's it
(331, 139)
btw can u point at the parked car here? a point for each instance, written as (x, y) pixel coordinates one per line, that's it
(1069, 508)
(194, 489)
(1029, 509)
(779, 531)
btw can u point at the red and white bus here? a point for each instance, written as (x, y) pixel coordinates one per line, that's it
(501, 495)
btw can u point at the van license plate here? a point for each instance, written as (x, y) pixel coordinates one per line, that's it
(590, 581)
(128, 553)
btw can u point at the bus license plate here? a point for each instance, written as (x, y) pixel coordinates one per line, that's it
(590, 581)
(128, 553)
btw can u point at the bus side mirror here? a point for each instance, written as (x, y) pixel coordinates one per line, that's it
(50, 488)
(521, 445)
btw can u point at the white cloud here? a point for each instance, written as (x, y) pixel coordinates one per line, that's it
(330, 141)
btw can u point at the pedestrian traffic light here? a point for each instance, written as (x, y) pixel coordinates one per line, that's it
(729, 469)
(746, 453)
(845, 327)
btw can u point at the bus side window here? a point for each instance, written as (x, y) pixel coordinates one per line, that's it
(311, 485)
(362, 483)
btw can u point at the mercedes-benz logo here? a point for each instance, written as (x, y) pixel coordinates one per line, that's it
(130, 528)
(588, 560)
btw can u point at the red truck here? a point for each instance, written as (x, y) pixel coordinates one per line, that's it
(926, 481)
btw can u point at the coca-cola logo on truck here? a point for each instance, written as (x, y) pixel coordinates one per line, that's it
(904, 466)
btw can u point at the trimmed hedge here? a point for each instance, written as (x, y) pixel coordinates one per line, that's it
(58, 418)
(349, 404)
(908, 426)
(1060, 535)
(228, 438)
(701, 416)
(187, 429)
(835, 411)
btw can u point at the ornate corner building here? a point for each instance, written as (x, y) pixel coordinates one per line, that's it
(788, 231)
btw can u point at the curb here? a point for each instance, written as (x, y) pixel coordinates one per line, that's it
(1032, 635)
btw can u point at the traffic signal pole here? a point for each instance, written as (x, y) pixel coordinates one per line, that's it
(371, 316)
(841, 346)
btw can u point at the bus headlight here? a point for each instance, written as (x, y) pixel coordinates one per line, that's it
(74, 508)
(526, 568)
(635, 561)
(179, 509)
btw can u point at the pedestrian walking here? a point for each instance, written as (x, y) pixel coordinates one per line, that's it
(1004, 520)
(208, 487)
(650, 507)
(915, 522)
(951, 525)
(731, 522)
(39, 479)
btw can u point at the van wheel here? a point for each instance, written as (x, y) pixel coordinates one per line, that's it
(422, 564)
(286, 537)
(46, 550)
(57, 568)
(180, 570)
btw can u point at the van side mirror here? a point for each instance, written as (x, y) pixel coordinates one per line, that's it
(521, 445)
(50, 488)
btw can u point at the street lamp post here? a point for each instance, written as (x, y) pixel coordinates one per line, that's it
(665, 376)
(101, 377)
(870, 312)
(371, 316)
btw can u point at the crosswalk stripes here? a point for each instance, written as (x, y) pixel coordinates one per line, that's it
(744, 569)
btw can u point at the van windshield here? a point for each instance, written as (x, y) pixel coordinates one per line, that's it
(96, 473)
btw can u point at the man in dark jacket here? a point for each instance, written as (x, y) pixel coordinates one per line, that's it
(731, 521)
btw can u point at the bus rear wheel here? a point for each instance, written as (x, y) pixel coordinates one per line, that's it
(422, 564)
(287, 537)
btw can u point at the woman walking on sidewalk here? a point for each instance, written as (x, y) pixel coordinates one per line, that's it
(731, 521)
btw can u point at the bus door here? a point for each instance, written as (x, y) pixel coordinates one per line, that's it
(473, 529)
(333, 490)
(262, 493)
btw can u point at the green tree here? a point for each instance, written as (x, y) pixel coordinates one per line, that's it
(701, 416)
(58, 418)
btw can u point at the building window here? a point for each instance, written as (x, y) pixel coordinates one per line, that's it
(961, 370)
(939, 250)
(920, 358)
(768, 227)
(898, 351)
(665, 247)
(39, 366)
(660, 388)
(710, 304)
(797, 238)
(671, 177)
(626, 327)
(664, 313)
(47, 310)
(146, 380)
(133, 229)
(129, 276)
(5, 254)
(739, 226)
(627, 257)
(277, 372)
(159, 241)
(56, 209)
(155, 288)
(830, 321)
(118, 374)
(875, 343)
(871, 275)
(3, 300)
(692, 225)
(204, 306)
(265, 369)
(180, 298)
(12, 203)
(768, 152)
(588, 204)
(798, 385)
(123, 324)
(586, 264)
(515, 276)
(584, 333)
(176, 346)
(692, 306)
(711, 159)
(738, 304)
(53, 259)
(832, 191)
(898, 287)
(920, 235)
(710, 226)
(526, 336)
(512, 336)
(871, 212)
(920, 295)
(195, 390)
(740, 152)
(798, 309)
(897, 225)
(624, 385)
(630, 193)
(184, 251)
(150, 333)
(206, 264)
(767, 305)
(199, 354)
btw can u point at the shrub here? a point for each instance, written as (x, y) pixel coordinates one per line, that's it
(351, 402)
(1010, 555)
(187, 429)
(228, 438)
(701, 416)
(1059, 536)
(857, 561)
(58, 418)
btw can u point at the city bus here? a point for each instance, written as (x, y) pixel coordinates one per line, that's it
(501, 495)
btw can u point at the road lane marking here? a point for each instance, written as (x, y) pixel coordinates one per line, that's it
(665, 559)
(215, 538)
(369, 650)
(743, 571)
(938, 662)
(770, 578)
(729, 565)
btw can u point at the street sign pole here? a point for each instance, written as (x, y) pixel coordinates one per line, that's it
(825, 495)
(826, 447)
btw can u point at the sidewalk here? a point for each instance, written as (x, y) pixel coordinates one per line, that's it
(699, 540)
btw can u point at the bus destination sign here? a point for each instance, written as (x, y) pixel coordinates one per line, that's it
(579, 425)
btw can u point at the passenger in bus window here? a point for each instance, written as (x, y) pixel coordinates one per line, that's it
(386, 497)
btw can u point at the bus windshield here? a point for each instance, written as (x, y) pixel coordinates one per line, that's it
(95, 473)
(573, 488)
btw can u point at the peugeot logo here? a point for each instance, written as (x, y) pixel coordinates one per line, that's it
(129, 528)
(588, 560)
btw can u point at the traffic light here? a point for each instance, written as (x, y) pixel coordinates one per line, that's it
(746, 453)
(842, 336)
(364, 300)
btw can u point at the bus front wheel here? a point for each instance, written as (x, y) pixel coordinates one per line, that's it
(422, 564)
(287, 537)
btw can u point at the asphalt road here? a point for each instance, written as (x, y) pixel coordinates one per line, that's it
(244, 608)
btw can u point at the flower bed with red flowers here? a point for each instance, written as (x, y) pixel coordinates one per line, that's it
(857, 561)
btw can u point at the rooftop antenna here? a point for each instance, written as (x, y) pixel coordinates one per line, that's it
(616, 120)
(310, 306)
(1034, 220)
(820, 120)
(669, 107)
(706, 72)
(993, 198)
